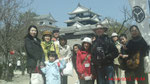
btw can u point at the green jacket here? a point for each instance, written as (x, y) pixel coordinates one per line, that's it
(49, 46)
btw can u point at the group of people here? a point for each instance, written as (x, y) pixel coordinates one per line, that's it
(96, 58)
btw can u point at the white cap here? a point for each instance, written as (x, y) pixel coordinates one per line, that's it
(114, 34)
(87, 39)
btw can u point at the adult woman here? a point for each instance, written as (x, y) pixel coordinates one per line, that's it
(136, 50)
(65, 52)
(76, 47)
(48, 45)
(33, 49)
(83, 62)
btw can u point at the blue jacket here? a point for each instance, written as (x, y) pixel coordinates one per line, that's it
(52, 72)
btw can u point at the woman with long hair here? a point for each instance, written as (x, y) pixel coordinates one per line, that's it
(76, 47)
(33, 49)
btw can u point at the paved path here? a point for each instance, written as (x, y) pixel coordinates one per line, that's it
(19, 79)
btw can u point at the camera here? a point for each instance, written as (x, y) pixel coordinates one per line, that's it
(100, 53)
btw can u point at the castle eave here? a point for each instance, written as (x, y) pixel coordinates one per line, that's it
(80, 19)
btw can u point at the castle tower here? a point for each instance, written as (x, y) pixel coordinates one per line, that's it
(46, 22)
(82, 16)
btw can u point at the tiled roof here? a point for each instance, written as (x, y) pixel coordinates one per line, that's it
(76, 30)
(48, 16)
(81, 9)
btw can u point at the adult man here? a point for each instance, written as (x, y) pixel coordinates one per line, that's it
(104, 52)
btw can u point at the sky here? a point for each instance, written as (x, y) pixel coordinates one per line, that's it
(60, 8)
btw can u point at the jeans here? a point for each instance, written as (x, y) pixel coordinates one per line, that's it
(105, 74)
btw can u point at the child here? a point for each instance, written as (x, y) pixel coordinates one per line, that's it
(123, 54)
(52, 68)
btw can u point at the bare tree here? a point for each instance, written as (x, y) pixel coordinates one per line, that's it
(120, 27)
(8, 15)
(113, 25)
(11, 30)
(127, 17)
(24, 21)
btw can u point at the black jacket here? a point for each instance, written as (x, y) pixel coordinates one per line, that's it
(108, 48)
(34, 51)
(135, 45)
(123, 61)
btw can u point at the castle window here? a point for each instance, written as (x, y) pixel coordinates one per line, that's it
(50, 23)
(80, 14)
(41, 23)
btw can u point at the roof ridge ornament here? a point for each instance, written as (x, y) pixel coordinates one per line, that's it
(79, 4)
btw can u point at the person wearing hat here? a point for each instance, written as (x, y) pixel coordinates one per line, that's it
(48, 45)
(114, 38)
(52, 70)
(55, 37)
(83, 62)
(103, 53)
(65, 52)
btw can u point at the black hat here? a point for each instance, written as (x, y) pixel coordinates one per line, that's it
(55, 31)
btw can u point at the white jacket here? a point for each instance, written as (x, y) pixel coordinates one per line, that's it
(65, 51)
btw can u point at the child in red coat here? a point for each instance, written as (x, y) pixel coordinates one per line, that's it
(83, 62)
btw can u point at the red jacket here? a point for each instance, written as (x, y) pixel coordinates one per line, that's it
(83, 68)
